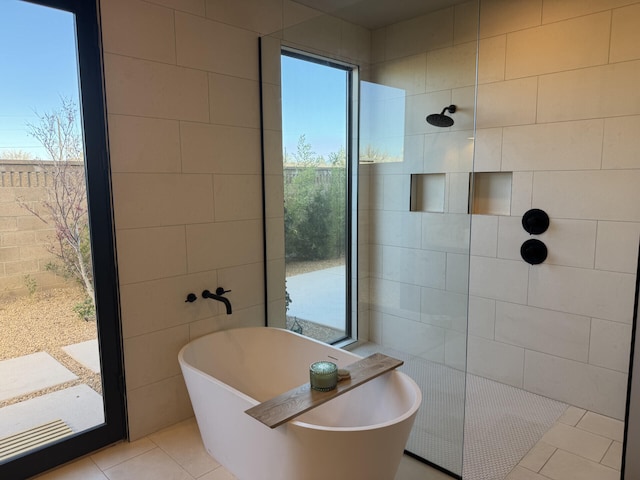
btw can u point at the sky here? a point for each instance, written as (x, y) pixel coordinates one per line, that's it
(38, 65)
(314, 103)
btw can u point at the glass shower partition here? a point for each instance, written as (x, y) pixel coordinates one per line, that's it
(409, 192)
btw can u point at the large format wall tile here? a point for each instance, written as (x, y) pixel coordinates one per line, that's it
(582, 291)
(586, 386)
(495, 360)
(263, 16)
(420, 34)
(138, 29)
(538, 50)
(502, 16)
(204, 44)
(610, 345)
(555, 10)
(559, 334)
(553, 146)
(451, 67)
(150, 89)
(617, 247)
(499, 279)
(507, 103)
(625, 36)
(621, 142)
(561, 96)
(589, 195)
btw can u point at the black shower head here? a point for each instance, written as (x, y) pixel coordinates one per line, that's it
(440, 119)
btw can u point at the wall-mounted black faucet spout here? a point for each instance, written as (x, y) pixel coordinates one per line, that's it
(219, 297)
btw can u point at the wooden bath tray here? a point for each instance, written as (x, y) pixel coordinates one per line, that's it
(281, 409)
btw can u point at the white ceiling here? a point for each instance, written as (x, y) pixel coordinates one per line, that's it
(374, 14)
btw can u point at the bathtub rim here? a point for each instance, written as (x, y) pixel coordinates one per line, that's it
(313, 426)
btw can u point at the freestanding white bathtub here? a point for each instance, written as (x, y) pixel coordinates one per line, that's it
(359, 435)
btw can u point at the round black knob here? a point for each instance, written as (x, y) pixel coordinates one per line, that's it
(191, 298)
(535, 221)
(533, 251)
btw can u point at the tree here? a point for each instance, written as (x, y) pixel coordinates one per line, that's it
(65, 205)
(17, 155)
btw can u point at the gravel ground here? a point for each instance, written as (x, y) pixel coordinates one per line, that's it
(46, 322)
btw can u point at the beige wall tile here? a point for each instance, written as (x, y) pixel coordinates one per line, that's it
(138, 29)
(151, 253)
(394, 298)
(507, 103)
(597, 389)
(204, 44)
(417, 107)
(556, 333)
(491, 59)
(234, 101)
(355, 43)
(610, 345)
(554, 10)
(612, 90)
(320, 33)
(246, 283)
(459, 192)
(502, 16)
(237, 197)
(495, 360)
(154, 356)
(581, 291)
(465, 99)
(446, 233)
(499, 279)
(457, 273)
(263, 16)
(465, 22)
(219, 149)
(444, 309)
(413, 266)
(484, 235)
(553, 146)
(625, 37)
(567, 466)
(482, 317)
(157, 405)
(539, 50)
(150, 89)
(196, 7)
(395, 193)
(401, 229)
(154, 200)
(621, 142)
(167, 307)
(521, 192)
(487, 155)
(448, 152)
(414, 338)
(617, 246)
(589, 195)
(407, 73)
(139, 144)
(451, 67)
(227, 244)
(417, 35)
(274, 193)
(455, 349)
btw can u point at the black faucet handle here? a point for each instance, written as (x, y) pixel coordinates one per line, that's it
(221, 291)
(191, 298)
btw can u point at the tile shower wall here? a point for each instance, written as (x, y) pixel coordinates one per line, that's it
(419, 259)
(558, 105)
(184, 132)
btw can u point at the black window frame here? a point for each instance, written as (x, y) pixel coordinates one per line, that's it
(100, 208)
(351, 152)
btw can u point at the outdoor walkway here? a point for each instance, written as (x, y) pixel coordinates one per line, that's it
(80, 407)
(319, 297)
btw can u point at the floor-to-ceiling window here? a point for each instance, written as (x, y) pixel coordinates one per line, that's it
(316, 120)
(60, 355)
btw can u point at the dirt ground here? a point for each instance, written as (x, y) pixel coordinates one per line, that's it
(46, 322)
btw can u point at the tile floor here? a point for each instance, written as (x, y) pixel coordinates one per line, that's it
(581, 446)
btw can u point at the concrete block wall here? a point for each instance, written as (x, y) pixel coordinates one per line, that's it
(558, 106)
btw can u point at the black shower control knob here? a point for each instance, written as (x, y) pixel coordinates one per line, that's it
(535, 221)
(191, 298)
(533, 251)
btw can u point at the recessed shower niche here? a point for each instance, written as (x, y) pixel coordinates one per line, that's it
(427, 192)
(492, 193)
